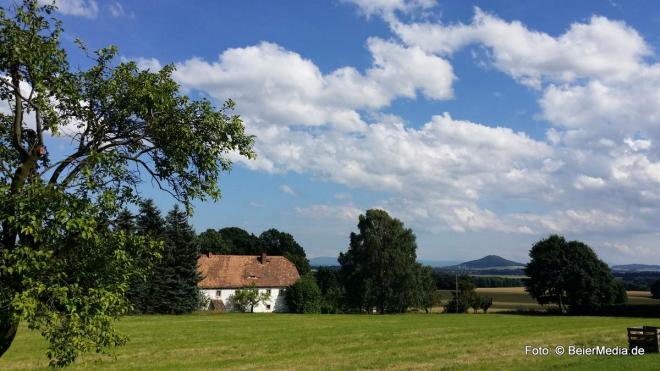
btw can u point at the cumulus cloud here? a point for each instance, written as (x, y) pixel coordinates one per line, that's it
(278, 86)
(596, 171)
(584, 50)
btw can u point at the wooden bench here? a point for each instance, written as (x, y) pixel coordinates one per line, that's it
(646, 337)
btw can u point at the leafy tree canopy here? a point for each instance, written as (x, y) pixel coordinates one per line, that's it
(249, 297)
(569, 274)
(242, 242)
(211, 241)
(63, 268)
(655, 289)
(379, 269)
(304, 296)
(282, 243)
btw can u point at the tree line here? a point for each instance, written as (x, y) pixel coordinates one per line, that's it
(170, 284)
(379, 273)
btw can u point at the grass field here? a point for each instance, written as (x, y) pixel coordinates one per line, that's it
(410, 341)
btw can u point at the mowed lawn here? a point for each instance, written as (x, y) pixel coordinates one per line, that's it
(409, 341)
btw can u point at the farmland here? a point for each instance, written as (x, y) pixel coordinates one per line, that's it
(409, 341)
(515, 298)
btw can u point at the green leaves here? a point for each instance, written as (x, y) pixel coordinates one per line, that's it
(64, 269)
(68, 275)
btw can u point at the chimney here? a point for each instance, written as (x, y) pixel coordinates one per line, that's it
(208, 254)
(263, 258)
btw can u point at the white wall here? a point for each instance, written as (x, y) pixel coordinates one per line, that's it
(277, 302)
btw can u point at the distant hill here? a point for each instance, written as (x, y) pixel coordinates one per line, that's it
(636, 268)
(488, 262)
(323, 261)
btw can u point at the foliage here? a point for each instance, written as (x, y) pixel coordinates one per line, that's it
(240, 242)
(237, 241)
(282, 243)
(570, 275)
(485, 303)
(149, 224)
(249, 297)
(379, 268)
(304, 296)
(445, 280)
(173, 283)
(64, 269)
(428, 295)
(211, 241)
(655, 289)
(69, 282)
(332, 292)
(463, 298)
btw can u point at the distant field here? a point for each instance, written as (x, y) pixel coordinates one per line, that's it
(410, 341)
(516, 298)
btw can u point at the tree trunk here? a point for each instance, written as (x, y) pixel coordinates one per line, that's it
(8, 330)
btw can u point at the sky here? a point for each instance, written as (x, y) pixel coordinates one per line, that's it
(483, 126)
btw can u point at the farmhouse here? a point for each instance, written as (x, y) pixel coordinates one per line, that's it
(222, 275)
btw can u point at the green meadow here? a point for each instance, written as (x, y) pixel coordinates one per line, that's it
(408, 341)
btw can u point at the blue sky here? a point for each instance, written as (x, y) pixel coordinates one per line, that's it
(484, 126)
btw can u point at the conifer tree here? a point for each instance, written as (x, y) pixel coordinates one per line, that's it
(174, 282)
(148, 223)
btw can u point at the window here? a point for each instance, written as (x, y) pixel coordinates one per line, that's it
(268, 306)
(218, 294)
(268, 292)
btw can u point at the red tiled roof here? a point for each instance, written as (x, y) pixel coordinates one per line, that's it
(231, 271)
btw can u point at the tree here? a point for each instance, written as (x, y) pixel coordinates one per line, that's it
(655, 289)
(486, 303)
(173, 284)
(211, 241)
(282, 243)
(475, 303)
(332, 292)
(304, 296)
(570, 275)
(148, 221)
(428, 295)
(62, 269)
(149, 224)
(379, 268)
(463, 298)
(249, 297)
(125, 221)
(242, 242)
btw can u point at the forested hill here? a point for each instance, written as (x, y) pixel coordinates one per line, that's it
(487, 262)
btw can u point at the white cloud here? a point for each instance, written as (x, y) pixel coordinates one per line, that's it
(595, 171)
(80, 8)
(288, 190)
(117, 10)
(277, 86)
(325, 211)
(144, 64)
(584, 50)
(588, 182)
(387, 8)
